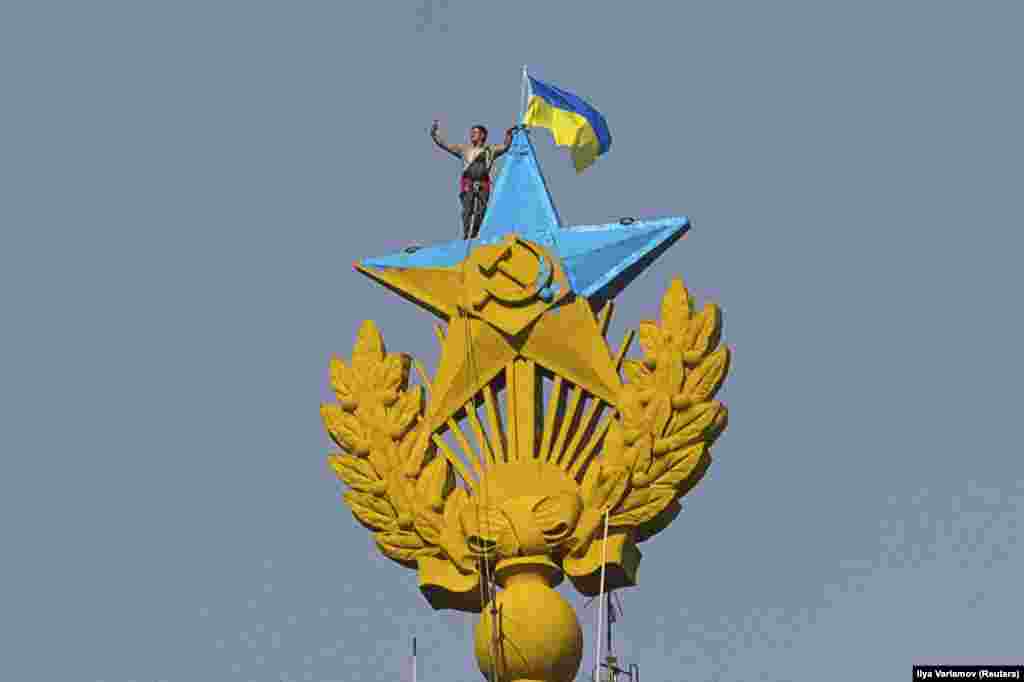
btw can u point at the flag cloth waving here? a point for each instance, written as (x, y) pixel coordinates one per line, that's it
(573, 122)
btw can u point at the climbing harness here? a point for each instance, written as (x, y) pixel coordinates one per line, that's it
(468, 184)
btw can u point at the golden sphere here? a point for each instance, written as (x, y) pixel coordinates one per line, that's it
(538, 637)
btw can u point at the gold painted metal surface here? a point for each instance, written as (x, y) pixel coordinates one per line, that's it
(528, 437)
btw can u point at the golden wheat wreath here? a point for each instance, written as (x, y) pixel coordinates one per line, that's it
(428, 511)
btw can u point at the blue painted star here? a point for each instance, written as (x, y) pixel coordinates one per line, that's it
(598, 261)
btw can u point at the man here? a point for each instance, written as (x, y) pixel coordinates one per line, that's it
(477, 161)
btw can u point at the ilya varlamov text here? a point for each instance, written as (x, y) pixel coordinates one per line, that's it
(967, 674)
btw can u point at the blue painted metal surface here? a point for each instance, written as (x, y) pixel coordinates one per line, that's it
(597, 255)
(598, 259)
(432, 256)
(520, 201)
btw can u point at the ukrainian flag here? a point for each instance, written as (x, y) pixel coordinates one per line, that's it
(573, 122)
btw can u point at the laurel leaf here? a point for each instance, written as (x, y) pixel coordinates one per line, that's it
(355, 472)
(675, 309)
(402, 540)
(659, 412)
(341, 382)
(414, 451)
(405, 410)
(704, 381)
(668, 375)
(701, 468)
(344, 429)
(454, 505)
(396, 372)
(650, 338)
(429, 525)
(660, 522)
(706, 330)
(633, 402)
(695, 413)
(637, 373)
(583, 535)
(642, 505)
(719, 425)
(604, 486)
(373, 512)
(401, 546)
(703, 421)
(436, 482)
(642, 454)
(680, 465)
(368, 352)
(402, 495)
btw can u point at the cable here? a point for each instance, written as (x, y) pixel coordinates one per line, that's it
(600, 605)
(488, 590)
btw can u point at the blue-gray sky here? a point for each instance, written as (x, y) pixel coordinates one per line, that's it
(184, 185)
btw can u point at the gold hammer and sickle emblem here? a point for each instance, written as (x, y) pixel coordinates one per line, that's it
(514, 273)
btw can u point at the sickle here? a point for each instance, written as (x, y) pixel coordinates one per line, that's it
(528, 291)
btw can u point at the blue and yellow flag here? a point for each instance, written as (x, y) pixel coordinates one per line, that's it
(573, 122)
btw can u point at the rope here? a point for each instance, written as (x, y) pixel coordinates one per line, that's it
(600, 606)
(488, 586)
(488, 590)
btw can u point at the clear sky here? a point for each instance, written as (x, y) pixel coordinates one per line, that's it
(184, 185)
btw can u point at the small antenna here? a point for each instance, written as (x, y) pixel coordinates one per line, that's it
(413, 659)
(611, 619)
(608, 669)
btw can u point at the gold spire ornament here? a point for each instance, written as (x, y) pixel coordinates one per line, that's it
(524, 444)
(536, 452)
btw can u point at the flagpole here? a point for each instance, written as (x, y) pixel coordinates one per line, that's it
(522, 104)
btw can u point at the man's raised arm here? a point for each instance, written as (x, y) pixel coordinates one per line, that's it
(500, 149)
(453, 149)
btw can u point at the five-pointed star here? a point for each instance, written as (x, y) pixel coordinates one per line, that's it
(595, 261)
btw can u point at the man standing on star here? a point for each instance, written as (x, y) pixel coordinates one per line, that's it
(477, 161)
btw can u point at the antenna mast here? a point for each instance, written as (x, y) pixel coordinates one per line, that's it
(612, 671)
(611, 619)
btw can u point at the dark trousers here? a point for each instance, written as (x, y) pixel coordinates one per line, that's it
(473, 207)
